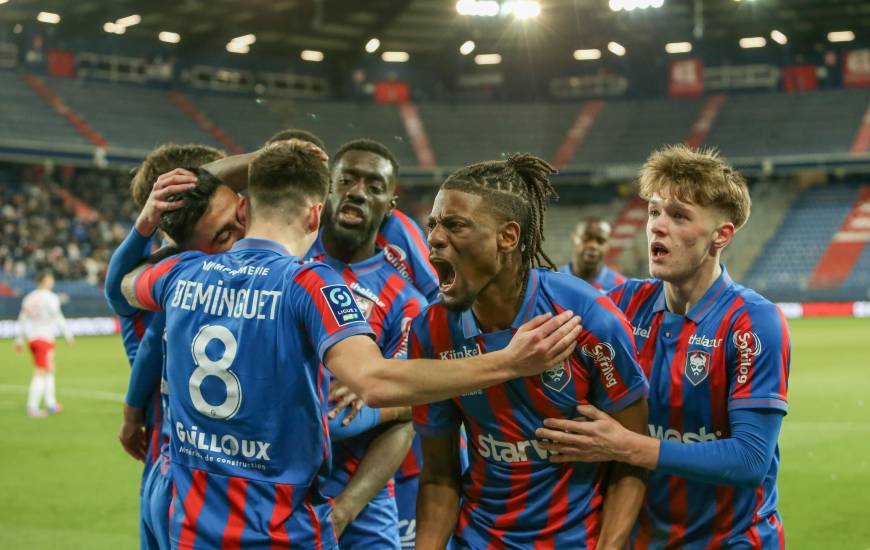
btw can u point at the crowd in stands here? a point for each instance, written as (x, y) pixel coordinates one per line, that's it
(68, 220)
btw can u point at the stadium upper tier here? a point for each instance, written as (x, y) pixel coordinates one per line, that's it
(57, 112)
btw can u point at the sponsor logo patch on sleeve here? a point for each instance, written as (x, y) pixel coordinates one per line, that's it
(342, 305)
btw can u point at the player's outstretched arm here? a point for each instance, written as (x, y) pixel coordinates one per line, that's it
(439, 492)
(537, 345)
(382, 458)
(741, 459)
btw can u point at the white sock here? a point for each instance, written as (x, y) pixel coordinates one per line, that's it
(50, 399)
(34, 394)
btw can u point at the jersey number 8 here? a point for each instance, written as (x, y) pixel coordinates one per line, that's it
(219, 368)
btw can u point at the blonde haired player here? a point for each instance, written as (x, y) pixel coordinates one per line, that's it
(38, 322)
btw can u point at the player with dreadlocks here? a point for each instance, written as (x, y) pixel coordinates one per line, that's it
(485, 242)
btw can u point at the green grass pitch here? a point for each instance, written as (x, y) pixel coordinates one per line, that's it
(66, 483)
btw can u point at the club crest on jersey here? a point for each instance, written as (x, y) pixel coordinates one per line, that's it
(365, 305)
(697, 366)
(342, 305)
(557, 377)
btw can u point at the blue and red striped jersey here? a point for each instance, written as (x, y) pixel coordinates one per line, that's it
(134, 324)
(513, 496)
(246, 334)
(605, 281)
(389, 303)
(730, 351)
(405, 246)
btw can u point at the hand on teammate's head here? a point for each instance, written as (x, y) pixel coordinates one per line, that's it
(159, 200)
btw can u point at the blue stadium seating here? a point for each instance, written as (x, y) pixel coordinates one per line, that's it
(789, 258)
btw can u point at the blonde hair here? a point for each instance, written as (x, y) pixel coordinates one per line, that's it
(701, 177)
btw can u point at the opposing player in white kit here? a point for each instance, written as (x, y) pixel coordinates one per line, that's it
(38, 323)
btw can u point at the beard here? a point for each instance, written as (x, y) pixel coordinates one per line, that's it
(346, 237)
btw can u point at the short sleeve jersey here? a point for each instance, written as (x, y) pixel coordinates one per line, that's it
(513, 496)
(730, 351)
(389, 302)
(247, 331)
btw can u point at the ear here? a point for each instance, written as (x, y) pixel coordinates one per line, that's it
(242, 210)
(723, 236)
(508, 237)
(313, 221)
(392, 207)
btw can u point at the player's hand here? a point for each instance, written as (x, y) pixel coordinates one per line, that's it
(598, 438)
(168, 184)
(542, 342)
(132, 434)
(343, 398)
(340, 519)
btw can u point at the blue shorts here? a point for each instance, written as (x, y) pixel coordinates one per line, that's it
(406, 501)
(375, 527)
(154, 507)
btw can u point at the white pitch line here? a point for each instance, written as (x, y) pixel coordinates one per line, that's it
(76, 392)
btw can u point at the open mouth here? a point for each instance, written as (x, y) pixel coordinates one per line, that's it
(446, 273)
(658, 251)
(590, 256)
(352, 215)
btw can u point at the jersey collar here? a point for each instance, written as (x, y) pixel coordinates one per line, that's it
(369, 264)
(470, 328)
(261, 244)
(704, 305)
(701, 309)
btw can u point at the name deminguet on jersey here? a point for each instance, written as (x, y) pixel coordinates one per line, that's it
(221, 301)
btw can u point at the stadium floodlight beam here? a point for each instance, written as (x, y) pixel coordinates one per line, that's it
(481, 8)
(467, 47)
(841, 36)
(521, 9)
(487, 59)
(48, 17)
(630, 5)
(372, 45)
(238, 47)
(678, 47)
(395, 57)
(114, 28)
(753, 42)
(587, 55)
(169, 37)
(129, 21)
(616, 48)
(779, 37)
(311, 55)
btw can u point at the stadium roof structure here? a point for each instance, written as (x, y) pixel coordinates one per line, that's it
(433, 28)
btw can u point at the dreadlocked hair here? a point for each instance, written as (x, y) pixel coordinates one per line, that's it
(519, 188)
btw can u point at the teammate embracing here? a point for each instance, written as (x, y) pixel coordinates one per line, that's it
(248, 331)
(717, 355)
(485, 236)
